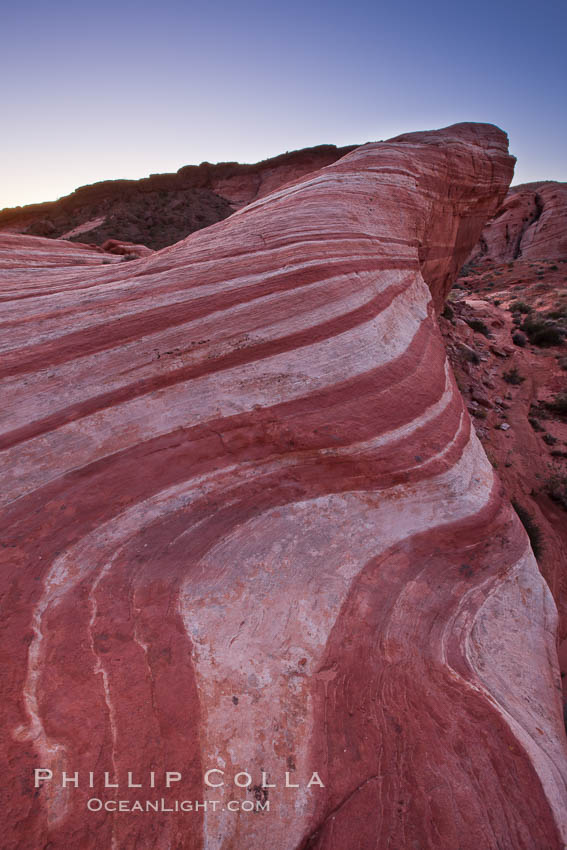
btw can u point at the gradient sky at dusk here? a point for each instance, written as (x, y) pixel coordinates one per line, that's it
(122, 89)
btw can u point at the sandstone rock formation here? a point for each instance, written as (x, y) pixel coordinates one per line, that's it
(163, 208)
(530, 225)
(248, 526)
(126, 249)
(29, 252)
(511, 378)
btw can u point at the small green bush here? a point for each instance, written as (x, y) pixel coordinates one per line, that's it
(541, 332)
(512, 376)
(519, 307)
(559, 404)
(479, 326)
(548, 337)
(557, 489)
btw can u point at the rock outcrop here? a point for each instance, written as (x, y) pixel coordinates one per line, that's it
(163, 208)
(126, 249)
(505, 329)
(33, 252)
(530, 225)
(249, 527)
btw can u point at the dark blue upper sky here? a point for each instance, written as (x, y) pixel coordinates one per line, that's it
(123, 89)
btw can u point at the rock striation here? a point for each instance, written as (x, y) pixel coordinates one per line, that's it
(19, 252)
(530, 225)
(511, 369)
(249, 527)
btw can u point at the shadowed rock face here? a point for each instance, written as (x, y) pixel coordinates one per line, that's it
(249, 526)
(530, 225)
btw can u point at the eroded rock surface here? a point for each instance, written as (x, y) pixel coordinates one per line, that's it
(19, 252)
(250, 527)
(530, 225)
(505, 328)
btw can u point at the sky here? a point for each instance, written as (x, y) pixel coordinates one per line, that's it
(121, 89)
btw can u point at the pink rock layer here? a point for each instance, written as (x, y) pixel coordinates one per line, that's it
(248, 526)
(34, 252)
(530, 225)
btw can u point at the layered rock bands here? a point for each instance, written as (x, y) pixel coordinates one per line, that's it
(248, 527)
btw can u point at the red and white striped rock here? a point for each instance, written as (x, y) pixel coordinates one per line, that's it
(248, 526)
(36, 252)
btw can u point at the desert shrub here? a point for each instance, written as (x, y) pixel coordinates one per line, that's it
(518, 338)
(532, 528)
(541, 332)
(554, 268)
(549, 439)
(559, 404)
(557, 489)
(448, 312)
(519, 307)
(479, 326)
(535, 423)
(512, 376)
(547, 337)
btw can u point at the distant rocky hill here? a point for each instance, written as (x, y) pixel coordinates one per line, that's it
(163, 208)
(531, 224)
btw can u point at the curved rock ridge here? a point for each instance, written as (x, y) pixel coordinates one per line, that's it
(248, 527)
(530, 225)
(33, 252)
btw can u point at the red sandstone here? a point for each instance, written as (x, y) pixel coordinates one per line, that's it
(248, 524)
(531, 224)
